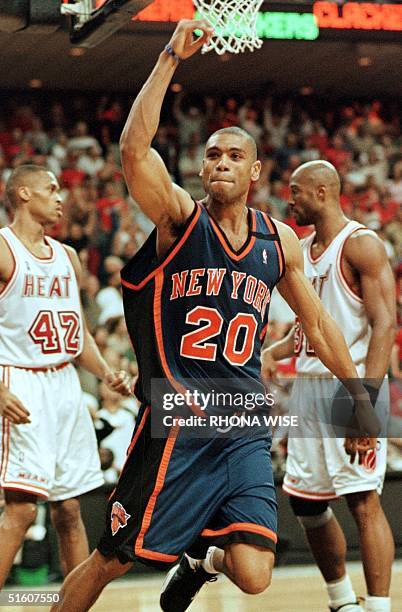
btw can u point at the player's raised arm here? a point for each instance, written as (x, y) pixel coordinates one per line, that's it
(146, 175)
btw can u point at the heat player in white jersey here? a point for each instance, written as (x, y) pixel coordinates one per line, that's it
(48, 445)
(348, 267)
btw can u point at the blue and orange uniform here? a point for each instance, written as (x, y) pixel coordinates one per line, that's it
(201, 314)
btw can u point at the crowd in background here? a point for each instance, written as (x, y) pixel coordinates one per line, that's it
(76, 137)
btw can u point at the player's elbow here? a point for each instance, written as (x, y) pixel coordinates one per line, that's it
(132, 150)
(316, 329)
(386, 325)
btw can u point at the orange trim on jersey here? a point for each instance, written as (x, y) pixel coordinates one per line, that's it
(25, 489)
(341, 275)
(10, 282)
(250, 527)
(5, 431)
(159, 341)
(132, 443)
(46, 241)
(45, 369)
(308, 494)
(273, 230)
(139, 430)
(263, 332)
(146, 521)
(5, 449)
(168, 258)
(225, 244)
(157, 556)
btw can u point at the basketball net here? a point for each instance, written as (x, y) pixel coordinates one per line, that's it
(234, 23)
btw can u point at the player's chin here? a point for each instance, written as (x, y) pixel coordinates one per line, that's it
(301, 221)
(222, 192)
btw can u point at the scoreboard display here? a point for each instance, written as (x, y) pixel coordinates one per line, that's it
(323, 20)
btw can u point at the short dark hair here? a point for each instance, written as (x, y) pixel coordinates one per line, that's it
(17, 178)
(234, 129)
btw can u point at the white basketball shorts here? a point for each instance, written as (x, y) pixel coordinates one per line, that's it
(55, 456)
(317, 466)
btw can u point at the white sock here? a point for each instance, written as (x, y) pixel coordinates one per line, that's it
(378, 604)
(194, 563)
(341, 592)
(207, 563)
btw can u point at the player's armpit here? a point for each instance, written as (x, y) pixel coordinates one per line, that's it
(150, 185)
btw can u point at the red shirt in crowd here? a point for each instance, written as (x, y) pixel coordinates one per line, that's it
(72, 177)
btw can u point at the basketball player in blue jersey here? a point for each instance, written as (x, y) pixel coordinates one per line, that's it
(196, 304)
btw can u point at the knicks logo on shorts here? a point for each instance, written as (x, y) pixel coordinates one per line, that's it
(370, 460)
(119, 517)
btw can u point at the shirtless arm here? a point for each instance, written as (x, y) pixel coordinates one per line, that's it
(147, 178)
(10, 406)
(282, 349)
(364, 252)
(90, 358)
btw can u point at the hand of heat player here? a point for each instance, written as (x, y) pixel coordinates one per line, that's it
(120, 382)
(358, 447)
(183, 42)
(12, 408)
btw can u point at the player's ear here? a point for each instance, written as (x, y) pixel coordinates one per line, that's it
(24, 193)
(321, 192)
(255, 171)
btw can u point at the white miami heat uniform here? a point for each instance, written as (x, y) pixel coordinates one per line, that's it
(317, 466)
(41, 332)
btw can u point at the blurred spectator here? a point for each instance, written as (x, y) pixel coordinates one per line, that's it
(122, 420)
(107, 460)
(394, 184)
(91, 161)
(189, 120)
(276, 125)
(81, 139)
(72, 175)
(109, 298)
(190, 164)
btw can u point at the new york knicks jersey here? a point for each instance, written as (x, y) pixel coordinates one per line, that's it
(325, 272)
(201, 313)
(40, 313)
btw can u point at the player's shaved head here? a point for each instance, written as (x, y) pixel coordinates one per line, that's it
(238, 132)
(21, 176)
(315, 189)
(319, 173)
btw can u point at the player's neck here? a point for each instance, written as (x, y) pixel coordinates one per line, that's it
(231, 216)
(328, 226)
(28, 231)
